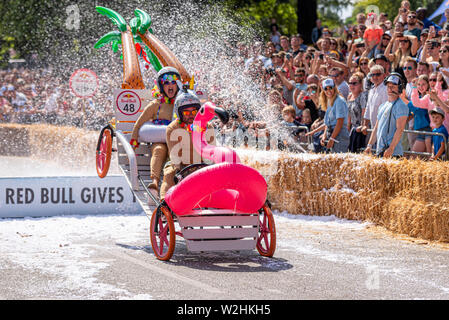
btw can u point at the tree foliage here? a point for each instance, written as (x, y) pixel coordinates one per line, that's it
(261, 12)
(392, 7)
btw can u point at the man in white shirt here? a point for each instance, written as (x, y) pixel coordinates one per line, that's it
(377, 95)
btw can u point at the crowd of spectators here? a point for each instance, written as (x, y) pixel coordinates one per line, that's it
(39, 95)
(325, 96)
(336, 86)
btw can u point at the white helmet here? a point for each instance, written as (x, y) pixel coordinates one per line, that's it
(185, 99)
(164, 72)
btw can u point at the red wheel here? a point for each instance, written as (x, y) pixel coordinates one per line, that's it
(266, 241)
(162, 234)
(104, 152)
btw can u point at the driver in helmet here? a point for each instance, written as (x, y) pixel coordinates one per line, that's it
(159, 112)
(179, 138)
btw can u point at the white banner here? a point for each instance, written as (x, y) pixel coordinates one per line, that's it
(51, 196)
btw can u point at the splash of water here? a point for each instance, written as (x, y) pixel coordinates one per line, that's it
(203, 35)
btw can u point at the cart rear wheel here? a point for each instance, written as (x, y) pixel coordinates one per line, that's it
(104, 152)
(162, 234)
(266, 241)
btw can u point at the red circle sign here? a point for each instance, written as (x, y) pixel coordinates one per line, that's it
(128, 102)
(84, 83)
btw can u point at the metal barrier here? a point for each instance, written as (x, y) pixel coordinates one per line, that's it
(305, 145)
(426, 133)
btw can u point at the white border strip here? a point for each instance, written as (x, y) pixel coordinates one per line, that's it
(72, 195)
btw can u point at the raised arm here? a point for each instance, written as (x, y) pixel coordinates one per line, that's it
(423, 103)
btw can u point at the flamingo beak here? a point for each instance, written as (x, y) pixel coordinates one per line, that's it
(222, 114)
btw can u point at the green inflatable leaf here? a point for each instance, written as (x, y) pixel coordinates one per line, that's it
(134, 24)
(108, 37)
(116, 18)
(115, 46)
(153, 59)
(145, 20)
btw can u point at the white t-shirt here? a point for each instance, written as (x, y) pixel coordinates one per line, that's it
(376, 96)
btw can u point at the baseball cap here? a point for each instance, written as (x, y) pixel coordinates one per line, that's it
(328, 83)
(382, 57)
(395, 79)
(438, 110)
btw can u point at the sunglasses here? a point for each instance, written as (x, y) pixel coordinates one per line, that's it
(363, 63)
(443, 51)
(328, 88)
(333, 75)
(353, 83)
(412, 17)
(189, 112)
(403, 41)
(166, 82)
(433, 80)
(376, 74)
(407, 68)
(169, 77)
(299, 75)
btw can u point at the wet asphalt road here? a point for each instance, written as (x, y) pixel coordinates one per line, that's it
(316, 258)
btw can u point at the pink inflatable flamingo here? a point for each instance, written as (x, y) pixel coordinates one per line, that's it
(216, 154)
(227, 184)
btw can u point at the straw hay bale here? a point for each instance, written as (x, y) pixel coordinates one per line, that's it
(72, 147)
(418, 219)
(404, 196)
(14, 140)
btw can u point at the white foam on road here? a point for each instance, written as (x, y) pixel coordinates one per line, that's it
(62, 246)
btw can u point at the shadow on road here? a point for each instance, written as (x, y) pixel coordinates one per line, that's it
(223, 261)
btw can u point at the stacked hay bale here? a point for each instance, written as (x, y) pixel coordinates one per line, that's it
(14, 140)
(68, 146)
(419, 201)
(406, 196)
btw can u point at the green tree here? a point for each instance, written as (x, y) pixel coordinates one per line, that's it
(261, 13)
(329, 12)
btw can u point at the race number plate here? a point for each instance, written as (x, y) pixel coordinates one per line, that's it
(128, 103)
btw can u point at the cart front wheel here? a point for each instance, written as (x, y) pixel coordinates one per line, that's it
(162, 234)
(104, 152)
(266, 241)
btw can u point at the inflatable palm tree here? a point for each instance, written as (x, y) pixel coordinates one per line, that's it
(138, 31)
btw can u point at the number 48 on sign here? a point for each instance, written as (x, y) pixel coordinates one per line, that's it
(128, 103)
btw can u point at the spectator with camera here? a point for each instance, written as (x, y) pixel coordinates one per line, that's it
(419, 107)
(288, 85)
(308, 100)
